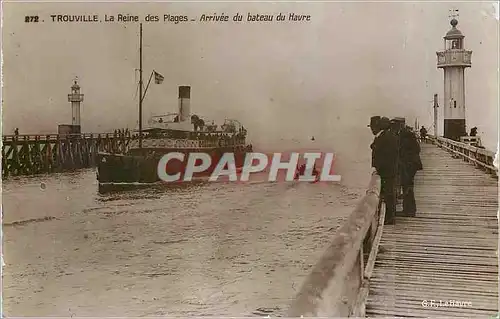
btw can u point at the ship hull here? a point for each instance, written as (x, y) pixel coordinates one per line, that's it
(119, 171)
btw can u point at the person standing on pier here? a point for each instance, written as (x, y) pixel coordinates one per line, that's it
(423, 134)
(473, 131)
(384, 160)
(411, 163)
(395, 128)
(16, 132)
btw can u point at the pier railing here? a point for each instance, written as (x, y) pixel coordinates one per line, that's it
(480, 157)
(339, 283)
(54, 137)
(35, 154)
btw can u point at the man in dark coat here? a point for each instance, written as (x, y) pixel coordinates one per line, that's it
(473, 131)
(384, 160)
(411, 163)
(423, 133)
(395, 128)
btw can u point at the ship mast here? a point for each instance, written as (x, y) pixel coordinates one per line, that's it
(140, 85)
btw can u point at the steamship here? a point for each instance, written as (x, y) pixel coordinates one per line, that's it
(178, 132)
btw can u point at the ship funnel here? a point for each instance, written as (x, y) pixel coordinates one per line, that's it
(184, 103)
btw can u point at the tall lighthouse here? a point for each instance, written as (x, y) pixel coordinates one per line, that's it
(453, 60)
(76, 99)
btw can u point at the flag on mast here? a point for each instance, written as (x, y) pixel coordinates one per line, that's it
(158, 78)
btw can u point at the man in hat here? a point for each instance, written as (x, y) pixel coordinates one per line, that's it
(423, 134)
(374, 121)
(410, 164)
(384, 160)
(473, 131)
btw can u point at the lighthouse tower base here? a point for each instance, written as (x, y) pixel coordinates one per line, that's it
(65, 129)
(454, 129)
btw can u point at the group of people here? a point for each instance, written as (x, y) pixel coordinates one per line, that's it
(396, 158)
(122, 132)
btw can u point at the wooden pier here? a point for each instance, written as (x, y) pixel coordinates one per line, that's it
(35, 154)
(443, 262)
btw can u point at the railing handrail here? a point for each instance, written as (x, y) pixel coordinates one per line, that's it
(231, 142)
(55, 134)
(480, 156)
(469, 147)
(53, 137)
(337, 285)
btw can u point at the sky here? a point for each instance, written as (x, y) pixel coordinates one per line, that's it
(285, 81)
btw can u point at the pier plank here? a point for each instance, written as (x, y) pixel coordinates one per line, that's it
(449, 251)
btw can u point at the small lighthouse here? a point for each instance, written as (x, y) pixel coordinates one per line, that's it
(76, 99)
(454, 60)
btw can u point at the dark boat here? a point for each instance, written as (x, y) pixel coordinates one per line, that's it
(178, 132)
